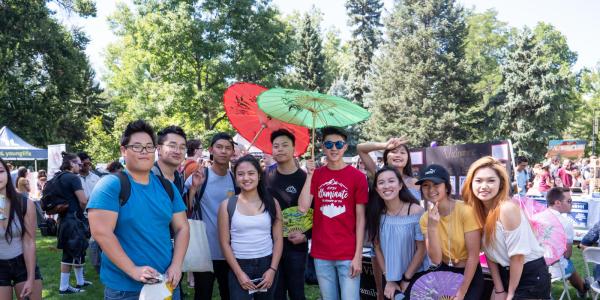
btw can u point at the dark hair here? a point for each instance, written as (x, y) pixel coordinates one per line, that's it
(407, 170)
(556, 194)
(21, 172)
(113, 166)
(266, 197)
(192, 145)
(42, 173)
(66, 160)
(522, 159)
(16, 206)
(222, 136)
(83, 156)
(330, 130)
(162, 135)
(376, 205)
(283, 132)
(135, 127)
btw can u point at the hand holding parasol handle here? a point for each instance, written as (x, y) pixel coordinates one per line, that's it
(262, 127)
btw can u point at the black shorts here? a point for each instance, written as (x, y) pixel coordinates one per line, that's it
(13, 271)
(534, 282)
(69, 259)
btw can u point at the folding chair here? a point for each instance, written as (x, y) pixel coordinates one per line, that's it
(558, 276)
(592, 255)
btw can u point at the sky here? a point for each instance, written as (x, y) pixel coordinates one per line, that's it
(576, 19)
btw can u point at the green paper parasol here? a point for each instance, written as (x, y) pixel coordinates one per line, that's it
(310, 109)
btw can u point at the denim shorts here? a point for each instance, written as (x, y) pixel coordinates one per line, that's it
(534, 282)
(14, 270)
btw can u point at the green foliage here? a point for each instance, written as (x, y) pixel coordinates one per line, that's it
(366, 25)
(582, 126)
(174, 59)
(421, 84)
(47, 89)
(536, 97)
(309, 60)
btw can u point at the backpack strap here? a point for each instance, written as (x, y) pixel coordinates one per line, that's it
(235, 187)
(24, 199)
(125, 190)
(231, 204)
(168, 186)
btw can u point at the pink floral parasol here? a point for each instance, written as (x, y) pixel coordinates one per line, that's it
(551, 234)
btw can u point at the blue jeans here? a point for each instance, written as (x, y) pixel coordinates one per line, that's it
(332, 272)
(291, 276)
(110, 294)
(254, 268)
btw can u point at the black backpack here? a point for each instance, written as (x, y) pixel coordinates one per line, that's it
(53, 200)
(125, 191)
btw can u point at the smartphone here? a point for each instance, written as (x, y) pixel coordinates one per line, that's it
(256, 281)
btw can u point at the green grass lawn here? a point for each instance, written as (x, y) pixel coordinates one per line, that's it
(49, 261)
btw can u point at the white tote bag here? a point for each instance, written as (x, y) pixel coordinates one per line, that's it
(197, 258)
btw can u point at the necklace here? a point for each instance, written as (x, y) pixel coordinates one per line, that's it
(452, 219)
(399, 210)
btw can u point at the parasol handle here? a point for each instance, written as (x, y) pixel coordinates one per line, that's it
(262, 127)
(312, 149)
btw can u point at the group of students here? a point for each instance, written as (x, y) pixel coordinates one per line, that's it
(144, 233)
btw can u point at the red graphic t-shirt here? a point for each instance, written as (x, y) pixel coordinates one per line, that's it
(335, 194)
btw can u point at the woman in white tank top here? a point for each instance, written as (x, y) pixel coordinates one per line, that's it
(19, 273)
(515, 258)
(250, 233)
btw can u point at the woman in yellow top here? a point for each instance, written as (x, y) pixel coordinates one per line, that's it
(453, 235)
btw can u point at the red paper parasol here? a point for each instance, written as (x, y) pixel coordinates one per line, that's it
(252, 123)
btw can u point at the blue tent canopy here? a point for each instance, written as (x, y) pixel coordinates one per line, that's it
(13, 147)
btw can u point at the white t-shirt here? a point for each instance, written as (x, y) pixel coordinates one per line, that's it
(567, 225)
(89, 182)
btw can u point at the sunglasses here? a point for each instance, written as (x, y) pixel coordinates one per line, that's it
(329, 144)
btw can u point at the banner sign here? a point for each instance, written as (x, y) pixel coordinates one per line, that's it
(566, 148)
(55, 158)
(458, 158)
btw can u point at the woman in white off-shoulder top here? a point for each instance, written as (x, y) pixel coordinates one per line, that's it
(515, 258)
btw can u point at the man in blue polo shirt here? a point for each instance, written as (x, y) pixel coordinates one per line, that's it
(135, 237)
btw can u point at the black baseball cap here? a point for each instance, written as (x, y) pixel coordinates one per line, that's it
(222, 136)
(435, 173)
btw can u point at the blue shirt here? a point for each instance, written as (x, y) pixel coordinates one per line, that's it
(142, 227)
(522, 178)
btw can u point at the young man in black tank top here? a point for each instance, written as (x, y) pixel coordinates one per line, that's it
(285, 183)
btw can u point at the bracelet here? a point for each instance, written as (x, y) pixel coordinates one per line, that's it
(274, 270)
(502, 292)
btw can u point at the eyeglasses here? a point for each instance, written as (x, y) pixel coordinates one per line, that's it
(139, 148)
(173, 147)
(329, 144)
(570, 201)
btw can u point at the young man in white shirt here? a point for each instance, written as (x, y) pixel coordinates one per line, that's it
(560, 202)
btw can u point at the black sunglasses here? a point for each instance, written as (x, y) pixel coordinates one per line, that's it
(329, 144)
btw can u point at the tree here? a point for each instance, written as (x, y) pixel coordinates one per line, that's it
(365, 21)
(420, 83)
(174, 59)
(47, 88)
(589, 108)
(309, 60)
(535, 100)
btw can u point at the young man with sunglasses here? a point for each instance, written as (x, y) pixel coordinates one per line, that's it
(88, 178)
(135, 237)
(560, 203)
(340, 192)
